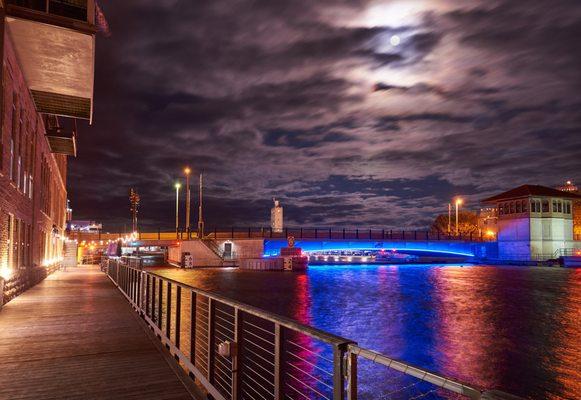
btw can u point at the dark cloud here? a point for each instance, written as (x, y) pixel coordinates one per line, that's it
(347, 119)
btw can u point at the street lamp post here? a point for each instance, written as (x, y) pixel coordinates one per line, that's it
(177, 186)
(449, 218)
(200, 215)
(457, 202)
(187, 172)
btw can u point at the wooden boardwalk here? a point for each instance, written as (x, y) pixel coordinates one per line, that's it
(74, 336)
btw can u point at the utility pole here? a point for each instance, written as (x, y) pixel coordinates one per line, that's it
(449, 218)
(177, 186)
(187, 172)
(458, 202)
(200, 211)
(134, 202)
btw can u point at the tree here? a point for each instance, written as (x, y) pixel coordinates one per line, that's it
(467, 223)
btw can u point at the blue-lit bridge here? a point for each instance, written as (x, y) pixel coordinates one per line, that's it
(232, 243)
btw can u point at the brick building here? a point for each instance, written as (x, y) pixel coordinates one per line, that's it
(47, 50)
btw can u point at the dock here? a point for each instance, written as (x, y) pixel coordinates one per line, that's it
(75, 336)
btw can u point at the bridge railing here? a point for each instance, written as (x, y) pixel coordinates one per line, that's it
(236, 351)
(298, 233)
(339, 233)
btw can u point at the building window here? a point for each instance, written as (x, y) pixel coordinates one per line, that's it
(559, 206)
(525, 206)
(518, 207)
(545, 206)
(11, 159)
(512, 207)
(500, 209)
(554, 206)
(567, 207)
(506, 208)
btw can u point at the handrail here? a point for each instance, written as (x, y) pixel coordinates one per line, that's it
(225, 233)
(229, 340)
(417, 372)
(281, 320)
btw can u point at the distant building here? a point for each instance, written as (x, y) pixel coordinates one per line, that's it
(534, 222)
(570, 187)
(84, 226)
(276, 217)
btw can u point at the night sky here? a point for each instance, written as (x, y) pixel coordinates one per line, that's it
(353, 113)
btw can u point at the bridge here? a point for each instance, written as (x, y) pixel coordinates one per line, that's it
(224, 246)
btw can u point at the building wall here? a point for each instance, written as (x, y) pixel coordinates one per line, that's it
(533, 228)
(32, 179)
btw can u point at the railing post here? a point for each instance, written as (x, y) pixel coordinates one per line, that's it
(211, 340)
(158, 233)
(153, 282)
(357, 233)
(391, 234)
(159, 303)
(315, 233)
(193, 297)
(215, 233)
(168, 312)
(330, 234)
(178, 314)
(248, 231)
(370, 234)
(271, 231)
(301, 235)
(415, 235)
(343, 233)
(278, 362)
(236, 362)
(382, 234)
(338, 372)
(351, 376)
(285, 232)
(139, 291)
(147, 279)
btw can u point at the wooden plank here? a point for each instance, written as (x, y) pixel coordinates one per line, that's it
(74, 336)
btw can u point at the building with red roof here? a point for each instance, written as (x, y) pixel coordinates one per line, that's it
(534, 222)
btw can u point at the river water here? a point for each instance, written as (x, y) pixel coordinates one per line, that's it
(512, 328)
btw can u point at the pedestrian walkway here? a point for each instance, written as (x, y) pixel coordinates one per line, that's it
(74, 336)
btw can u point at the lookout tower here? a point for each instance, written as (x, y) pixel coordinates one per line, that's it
(276, 217)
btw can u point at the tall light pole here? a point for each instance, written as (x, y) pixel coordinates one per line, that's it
(200, 210)
(457, 202)
(177, 186)
(449, 218)
(187, 172)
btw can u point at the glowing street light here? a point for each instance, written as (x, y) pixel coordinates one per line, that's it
(187, 172)
(457, 202)
(177, 186)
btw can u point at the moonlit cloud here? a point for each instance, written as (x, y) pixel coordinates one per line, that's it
(315, 103)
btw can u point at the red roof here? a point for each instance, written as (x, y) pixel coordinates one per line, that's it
(531, 190)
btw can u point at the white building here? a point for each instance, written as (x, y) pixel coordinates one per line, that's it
(534, 222)
(276, 217)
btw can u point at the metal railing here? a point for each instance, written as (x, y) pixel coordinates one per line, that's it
(338, 233)
(567, 252)
(268, 233)
(236, 351)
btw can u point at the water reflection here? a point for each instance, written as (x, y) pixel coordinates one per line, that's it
(513, 328)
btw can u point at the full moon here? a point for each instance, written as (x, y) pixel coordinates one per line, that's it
(394, 40)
